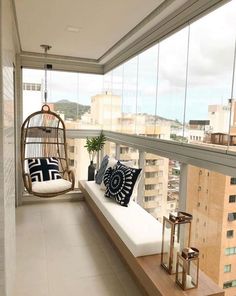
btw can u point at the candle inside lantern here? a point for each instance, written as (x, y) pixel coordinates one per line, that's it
(189, 283)
(175, 251)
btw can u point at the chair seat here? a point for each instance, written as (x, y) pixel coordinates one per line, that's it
(51, 186)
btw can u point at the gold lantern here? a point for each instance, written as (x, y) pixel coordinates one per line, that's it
(187, 268)
(175, 236)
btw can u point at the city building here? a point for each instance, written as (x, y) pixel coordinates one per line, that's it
(211, 199)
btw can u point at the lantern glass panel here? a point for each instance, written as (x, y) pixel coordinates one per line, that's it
(166, 243)
(180, 274)
(192, 273)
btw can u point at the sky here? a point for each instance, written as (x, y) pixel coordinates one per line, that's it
(156, 80)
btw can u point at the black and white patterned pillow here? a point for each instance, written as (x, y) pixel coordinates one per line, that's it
(102, 169)
(44, 169)
(120, 183)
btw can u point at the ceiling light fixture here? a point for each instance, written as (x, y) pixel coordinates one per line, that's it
(73, 29)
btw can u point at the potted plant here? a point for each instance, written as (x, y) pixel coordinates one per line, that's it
(94, 145)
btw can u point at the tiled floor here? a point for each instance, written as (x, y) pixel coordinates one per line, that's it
(62, 251)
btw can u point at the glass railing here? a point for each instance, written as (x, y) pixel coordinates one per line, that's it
(178, 176)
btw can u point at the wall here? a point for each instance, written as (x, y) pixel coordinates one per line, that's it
(7, 158)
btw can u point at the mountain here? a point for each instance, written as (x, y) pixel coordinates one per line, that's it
(71, 110)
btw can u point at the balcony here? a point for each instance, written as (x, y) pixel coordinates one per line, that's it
(149, 79)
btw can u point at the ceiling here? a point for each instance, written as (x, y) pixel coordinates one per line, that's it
(84, 29)
(97, 35)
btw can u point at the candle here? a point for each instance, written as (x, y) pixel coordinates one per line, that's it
(176, 249)
(189, 282)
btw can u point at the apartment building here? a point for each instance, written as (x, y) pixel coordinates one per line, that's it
(211, 197)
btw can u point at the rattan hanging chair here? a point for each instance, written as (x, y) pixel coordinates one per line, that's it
(43, 140)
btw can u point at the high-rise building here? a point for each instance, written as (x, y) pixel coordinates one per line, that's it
(211, 197)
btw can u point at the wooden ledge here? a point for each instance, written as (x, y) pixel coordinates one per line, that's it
(150, 276)
(165, 283)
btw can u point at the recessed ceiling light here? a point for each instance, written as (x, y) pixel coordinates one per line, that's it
(73, 29)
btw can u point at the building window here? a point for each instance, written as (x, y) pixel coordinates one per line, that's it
(150, 187)
(72, 149)
(31, 86)
(233, 181)
(230, 233)
(150, 174)
(227, 268)
(151, 162)
(71, 162)
(230, 251)
(229, 284)
(231, 216)
(124, 150)
(149, 198)
(232, 198)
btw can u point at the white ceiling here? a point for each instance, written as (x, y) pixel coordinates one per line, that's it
(101, 24)
(108, 32)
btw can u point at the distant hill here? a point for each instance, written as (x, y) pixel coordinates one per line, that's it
(71, 110)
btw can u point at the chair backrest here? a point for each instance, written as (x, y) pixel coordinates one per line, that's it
(43, 135)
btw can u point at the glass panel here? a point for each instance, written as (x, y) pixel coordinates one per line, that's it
(129, 99)
(166, 244)
(156, 185)
(211, 52)
(33, 91)
(147, 87)
(171, 84)
(192, 277)
(71, 95)
(117, 91)
(78, 158)
(180, 267)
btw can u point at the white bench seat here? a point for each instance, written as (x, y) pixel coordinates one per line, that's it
(140, 232)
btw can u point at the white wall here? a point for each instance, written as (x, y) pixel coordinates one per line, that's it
(7, 142)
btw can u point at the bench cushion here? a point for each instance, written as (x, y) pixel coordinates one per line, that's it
(141, 233)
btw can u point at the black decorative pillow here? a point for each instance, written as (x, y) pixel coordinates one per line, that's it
(44, 169)
(102, 169)
(120, 183)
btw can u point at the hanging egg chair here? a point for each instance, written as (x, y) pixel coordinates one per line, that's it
(44, 161)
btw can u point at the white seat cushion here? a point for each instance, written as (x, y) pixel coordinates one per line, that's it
(141, 232)
(51, 186)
